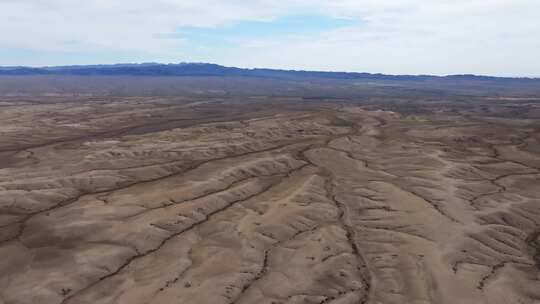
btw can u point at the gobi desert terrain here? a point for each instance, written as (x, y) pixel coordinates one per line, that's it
(222, 196)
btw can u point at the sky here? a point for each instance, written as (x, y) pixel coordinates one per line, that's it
(440, 37)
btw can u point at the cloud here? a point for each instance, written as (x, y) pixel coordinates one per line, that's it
(497, 37)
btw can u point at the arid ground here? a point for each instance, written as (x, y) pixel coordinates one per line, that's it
(269, 199)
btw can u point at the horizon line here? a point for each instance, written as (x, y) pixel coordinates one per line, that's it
(44, 67)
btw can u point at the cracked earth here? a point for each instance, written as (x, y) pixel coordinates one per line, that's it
(211, 202)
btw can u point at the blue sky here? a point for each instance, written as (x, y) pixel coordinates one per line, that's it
(493, 37)
(210, 41)
(289, 25)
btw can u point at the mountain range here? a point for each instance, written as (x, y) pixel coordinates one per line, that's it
(208, 69)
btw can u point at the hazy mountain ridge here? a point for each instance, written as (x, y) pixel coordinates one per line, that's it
(208, 69)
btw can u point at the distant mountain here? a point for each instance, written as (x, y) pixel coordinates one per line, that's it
(207, 69)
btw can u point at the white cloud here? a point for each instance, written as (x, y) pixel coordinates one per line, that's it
(409, 36)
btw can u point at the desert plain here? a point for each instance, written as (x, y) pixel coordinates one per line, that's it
(222, 198)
